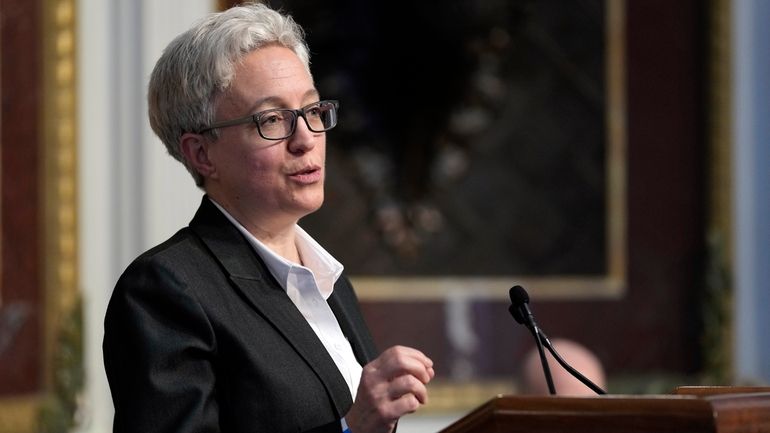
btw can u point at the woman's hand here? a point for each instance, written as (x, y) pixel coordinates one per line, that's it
(391, 386)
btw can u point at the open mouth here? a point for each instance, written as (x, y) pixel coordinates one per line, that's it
(307, 175)
(306, 171)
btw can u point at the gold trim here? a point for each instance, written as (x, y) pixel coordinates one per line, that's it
(19, 414)
(60, 170)
(718, 284)
(59, 196)
(431, 289)
(719, 127)
(617, 143)
(612, 285)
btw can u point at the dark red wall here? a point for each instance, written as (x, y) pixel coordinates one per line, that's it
(20, 170)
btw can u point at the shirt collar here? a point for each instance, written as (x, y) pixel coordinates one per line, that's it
(320, 263)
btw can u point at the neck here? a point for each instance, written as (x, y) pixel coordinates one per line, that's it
(276, 232)
(284, 244)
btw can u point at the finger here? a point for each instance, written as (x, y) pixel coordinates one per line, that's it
(408, 385)
(407, 403)
(412, 353)
(400, 361)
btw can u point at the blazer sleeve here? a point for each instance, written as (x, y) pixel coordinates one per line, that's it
(159, 350)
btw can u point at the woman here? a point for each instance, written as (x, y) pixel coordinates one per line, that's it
(241, 321)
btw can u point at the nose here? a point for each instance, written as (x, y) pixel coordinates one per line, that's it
(303, 139)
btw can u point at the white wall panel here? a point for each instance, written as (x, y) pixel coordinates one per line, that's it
(132, 195)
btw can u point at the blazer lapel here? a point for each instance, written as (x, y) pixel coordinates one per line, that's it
(253, 280)
(343, 303)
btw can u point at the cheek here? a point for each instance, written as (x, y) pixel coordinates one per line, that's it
(261, 168)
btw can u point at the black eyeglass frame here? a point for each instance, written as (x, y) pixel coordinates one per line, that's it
(255, 118)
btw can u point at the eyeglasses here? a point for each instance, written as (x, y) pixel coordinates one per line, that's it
(280, 123)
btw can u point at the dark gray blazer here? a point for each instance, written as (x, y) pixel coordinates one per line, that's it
(199, 337)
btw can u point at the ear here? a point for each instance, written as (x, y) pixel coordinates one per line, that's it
(194, 148)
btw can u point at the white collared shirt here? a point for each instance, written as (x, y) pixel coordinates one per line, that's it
(309, 287)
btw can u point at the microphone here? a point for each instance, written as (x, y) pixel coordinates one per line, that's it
(520, 311)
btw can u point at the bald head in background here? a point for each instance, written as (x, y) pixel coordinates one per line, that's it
(532, 379)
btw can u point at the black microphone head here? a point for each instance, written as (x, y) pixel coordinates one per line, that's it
(516, 313)
(518, 296)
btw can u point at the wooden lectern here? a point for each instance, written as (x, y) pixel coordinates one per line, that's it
(688, 410)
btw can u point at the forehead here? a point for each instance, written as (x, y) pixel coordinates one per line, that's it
(272, 72)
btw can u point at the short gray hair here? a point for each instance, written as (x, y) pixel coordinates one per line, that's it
(199, 64)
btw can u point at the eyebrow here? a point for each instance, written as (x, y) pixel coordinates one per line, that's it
(278, 101)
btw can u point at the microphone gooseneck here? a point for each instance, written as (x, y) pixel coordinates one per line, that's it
(576, 374)
(520, 311)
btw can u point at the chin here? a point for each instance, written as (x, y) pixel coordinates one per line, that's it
(317, 205)
(312, 204)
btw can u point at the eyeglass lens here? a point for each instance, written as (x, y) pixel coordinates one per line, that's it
(280, 123)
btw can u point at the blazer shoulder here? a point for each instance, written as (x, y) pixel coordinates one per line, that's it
(183, 242)
(181, 259)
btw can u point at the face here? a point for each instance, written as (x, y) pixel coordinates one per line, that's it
(267, 182)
